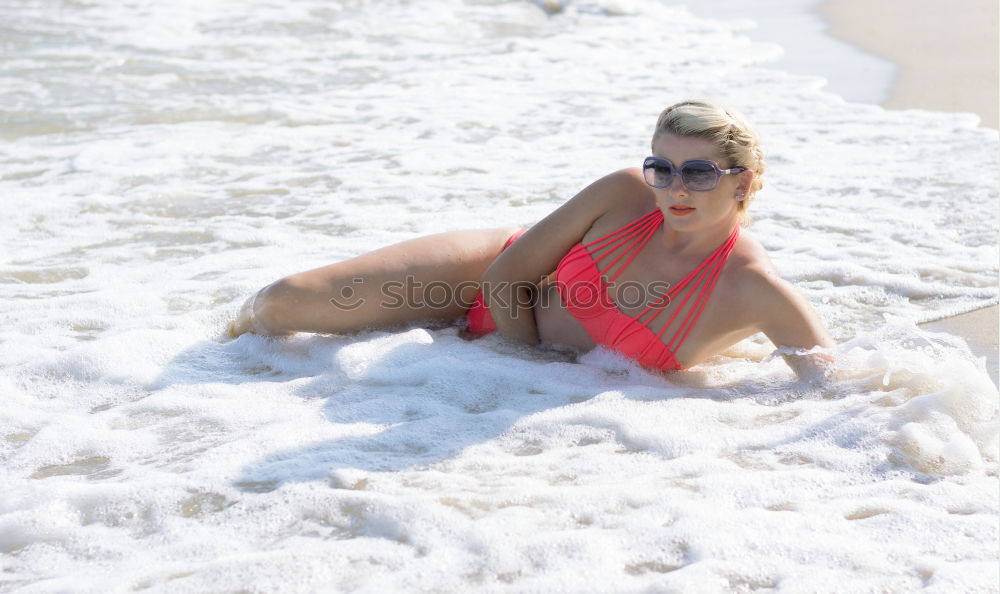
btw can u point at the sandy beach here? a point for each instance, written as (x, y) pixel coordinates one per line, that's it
(946, 52)
(947, 59)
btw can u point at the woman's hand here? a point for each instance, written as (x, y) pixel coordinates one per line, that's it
(787, 318)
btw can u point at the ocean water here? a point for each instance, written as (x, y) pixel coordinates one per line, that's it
(160, 161)
(806, 45)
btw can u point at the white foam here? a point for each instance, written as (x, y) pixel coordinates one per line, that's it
(159, 169)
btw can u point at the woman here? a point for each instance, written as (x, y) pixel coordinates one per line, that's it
(650, 262)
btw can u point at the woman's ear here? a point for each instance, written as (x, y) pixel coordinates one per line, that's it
(744, 183)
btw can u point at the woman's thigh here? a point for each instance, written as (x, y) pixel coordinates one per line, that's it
(435, 277)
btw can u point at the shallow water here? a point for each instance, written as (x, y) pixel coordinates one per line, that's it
(161, 161)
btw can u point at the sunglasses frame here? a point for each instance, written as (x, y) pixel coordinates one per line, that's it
(676, 171)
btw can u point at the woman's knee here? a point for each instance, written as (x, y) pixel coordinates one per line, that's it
(278, 307)
(309, 302)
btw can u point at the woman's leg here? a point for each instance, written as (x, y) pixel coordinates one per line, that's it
(429, 278)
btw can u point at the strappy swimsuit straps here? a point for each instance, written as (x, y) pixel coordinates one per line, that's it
(583, 292)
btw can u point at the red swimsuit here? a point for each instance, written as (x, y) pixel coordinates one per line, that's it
(583, 292)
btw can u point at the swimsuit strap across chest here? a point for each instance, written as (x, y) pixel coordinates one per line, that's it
(590, 262)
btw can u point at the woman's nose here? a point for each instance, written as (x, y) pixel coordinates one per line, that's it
(676, 184)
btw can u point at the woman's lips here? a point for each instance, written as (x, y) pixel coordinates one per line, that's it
(681, 210)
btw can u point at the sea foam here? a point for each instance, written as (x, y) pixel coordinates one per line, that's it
(171, 160)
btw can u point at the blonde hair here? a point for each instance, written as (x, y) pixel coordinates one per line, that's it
(735, 141)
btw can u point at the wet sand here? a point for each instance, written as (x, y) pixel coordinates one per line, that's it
(946, 51)
(979, 329)
(947, 58)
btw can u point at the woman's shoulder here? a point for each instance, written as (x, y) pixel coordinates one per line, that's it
(626, 197)
(634, 186)
(626, 175)
(626, 190)
(749, 259)
(768, 302)
(750, 273)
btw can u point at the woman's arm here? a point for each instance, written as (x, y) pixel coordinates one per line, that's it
(787, 318)
(510, 283)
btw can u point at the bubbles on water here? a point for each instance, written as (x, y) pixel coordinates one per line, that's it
(211, 154)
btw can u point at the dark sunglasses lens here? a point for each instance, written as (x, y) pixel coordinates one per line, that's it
(657, 173)
(699, 176)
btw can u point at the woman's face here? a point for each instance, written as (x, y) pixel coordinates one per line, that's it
(688, 210)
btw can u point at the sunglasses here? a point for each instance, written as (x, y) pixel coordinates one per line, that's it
(697, 176)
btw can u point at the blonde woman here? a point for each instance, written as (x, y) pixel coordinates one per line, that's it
(651, 262)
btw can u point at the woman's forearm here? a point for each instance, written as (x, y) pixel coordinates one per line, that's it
(511, 305)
